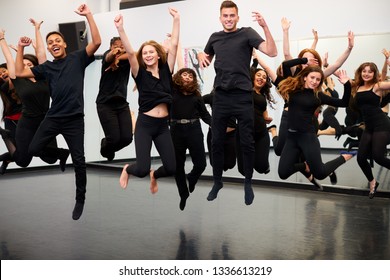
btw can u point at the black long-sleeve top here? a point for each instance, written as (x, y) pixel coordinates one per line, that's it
(303, 103)
(189, 107)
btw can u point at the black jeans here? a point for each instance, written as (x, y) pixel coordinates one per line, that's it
(115, 119)
(188, 136)
(72, 129)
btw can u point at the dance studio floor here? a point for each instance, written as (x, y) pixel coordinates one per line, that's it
(283, 223)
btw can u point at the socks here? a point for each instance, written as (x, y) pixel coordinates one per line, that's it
(214, 191)
(78, 210)
(249, 195)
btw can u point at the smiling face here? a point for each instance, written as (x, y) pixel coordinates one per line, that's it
(313, 80)
(4, 74)
(260, 80)
(367, 74)
(56, 46)
(229, 19)
(150, 55)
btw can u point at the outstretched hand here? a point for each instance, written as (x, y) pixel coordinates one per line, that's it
(24, 41)
(35, 23)
(204, 60)
(259, 18)
(174, 13)
(82, 10)
(342, 76)
(118, 21)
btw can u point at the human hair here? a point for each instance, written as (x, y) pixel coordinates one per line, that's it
(266, 89)
(358, 80)
(160, 51)
(114, 39)
(32, 58)
(3, 65)
(228, 4)
(55, 32)
(291, 85)
(314, 53)
(191, 88)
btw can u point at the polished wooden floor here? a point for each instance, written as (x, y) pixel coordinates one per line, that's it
(283, 223)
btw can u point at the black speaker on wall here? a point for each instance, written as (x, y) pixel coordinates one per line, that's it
(75, 34)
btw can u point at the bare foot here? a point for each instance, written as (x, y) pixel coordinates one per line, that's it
(153, 182)
(124, 179)
(347, 156)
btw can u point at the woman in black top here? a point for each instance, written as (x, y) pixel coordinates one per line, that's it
(187, 108)
(368, 92)
(152, 70)
(304, 96)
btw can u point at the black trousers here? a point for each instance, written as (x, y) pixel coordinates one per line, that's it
(188, 137)
(72, 129)
(229, 147)
(25, 131)
(239, 104)
(306, 145)
(115, 119)
(151, 130)
(262, 145)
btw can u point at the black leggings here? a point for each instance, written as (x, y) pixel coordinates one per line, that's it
(373, 144)
(152, 130)
(329, 119)
(308, 145)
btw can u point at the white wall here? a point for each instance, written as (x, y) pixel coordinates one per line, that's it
(199, 18)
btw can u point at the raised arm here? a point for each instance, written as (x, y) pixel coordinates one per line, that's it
(93, 46)
(333, 67)
(268, 46)
(386, 53)
(40, 50)
(315, 41)
(286, 38)
(7, 55)
(265, 66)
(20, 70)
(132, 55)
(172, 51)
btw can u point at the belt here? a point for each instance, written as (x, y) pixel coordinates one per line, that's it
(183, 121)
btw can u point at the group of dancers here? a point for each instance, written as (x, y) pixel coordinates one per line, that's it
(171, 105)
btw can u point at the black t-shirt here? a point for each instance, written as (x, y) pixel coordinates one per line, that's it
(189, 107)
(35, 96)
(66, 81)
(153, 91)
(233, 53)
(113, 83)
